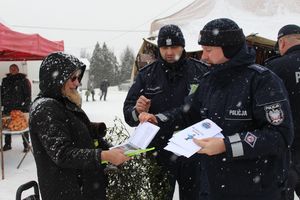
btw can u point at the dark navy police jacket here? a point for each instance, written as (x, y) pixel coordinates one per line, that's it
(167, 87)
(250, 104)
(287, 67)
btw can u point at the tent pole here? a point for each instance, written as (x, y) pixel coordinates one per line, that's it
(1, 137)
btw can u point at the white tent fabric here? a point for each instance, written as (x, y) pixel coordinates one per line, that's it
(264, 17)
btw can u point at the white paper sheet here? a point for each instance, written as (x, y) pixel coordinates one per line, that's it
(143, 135)
(182, 142)
(140, 138)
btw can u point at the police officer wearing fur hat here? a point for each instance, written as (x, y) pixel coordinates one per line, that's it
(159, 87)
(250, 104)
(287, 67)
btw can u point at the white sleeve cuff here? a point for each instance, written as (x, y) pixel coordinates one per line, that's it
(162, 117)
(236, 145)
(134, 116)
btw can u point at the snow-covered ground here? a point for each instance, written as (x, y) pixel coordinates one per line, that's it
(97, 111)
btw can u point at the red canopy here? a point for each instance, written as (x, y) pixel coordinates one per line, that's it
(20, 46)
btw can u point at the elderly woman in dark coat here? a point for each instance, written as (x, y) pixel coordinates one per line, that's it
(68, 148)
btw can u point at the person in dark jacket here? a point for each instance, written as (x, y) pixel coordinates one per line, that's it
(287, 67)
(87, 94)
(68, 148)
(161, 86)
(250, 104)
(15, 95)
(103, 87)
(93, 93)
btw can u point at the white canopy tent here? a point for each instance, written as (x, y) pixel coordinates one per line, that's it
(264, 17)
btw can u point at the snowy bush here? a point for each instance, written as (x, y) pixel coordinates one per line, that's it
(136, 179)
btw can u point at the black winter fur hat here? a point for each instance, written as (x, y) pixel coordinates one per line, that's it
(223, 33)
(170, 35)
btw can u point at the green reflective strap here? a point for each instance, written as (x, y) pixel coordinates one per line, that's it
(96, 142)
(139, 151)
(193, 88)
(133, 153)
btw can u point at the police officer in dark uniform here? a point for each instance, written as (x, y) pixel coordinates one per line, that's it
(250, 104)
(161, 86)
(287, 67)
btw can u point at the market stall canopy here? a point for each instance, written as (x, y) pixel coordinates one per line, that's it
(19, 46)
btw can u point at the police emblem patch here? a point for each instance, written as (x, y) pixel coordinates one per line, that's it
(274, 114)
(250, 139)
(168, 42)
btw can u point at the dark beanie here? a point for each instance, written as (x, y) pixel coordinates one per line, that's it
(170, 35)
(223, 33)
(288, 30)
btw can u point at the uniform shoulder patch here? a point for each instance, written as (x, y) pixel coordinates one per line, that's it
(258, 68)
(274, 114)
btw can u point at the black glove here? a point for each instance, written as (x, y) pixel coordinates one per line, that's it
(101, 129)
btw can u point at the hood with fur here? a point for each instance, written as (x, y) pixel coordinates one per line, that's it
(55, 70)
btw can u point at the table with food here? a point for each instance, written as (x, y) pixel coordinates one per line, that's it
(15, 123)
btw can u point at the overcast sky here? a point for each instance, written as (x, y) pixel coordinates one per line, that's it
(82, 23)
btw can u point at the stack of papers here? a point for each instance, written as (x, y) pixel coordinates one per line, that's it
(182, 143)
(139, 139)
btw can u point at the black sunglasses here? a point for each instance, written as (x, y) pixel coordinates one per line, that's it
(74, 78)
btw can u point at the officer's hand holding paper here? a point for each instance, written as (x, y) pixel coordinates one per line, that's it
(139, 139)
(182, 142)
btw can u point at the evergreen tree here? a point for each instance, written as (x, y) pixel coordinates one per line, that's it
(109, 64)
(127, 60)
(95, 66)
(103, 66)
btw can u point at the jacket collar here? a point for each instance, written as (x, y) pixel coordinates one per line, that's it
(173, 66)
(245, 57)
(292, 49)
(70, 105)
(17, 76)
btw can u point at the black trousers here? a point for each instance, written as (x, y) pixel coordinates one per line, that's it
(25, 137)
(103, 94)
(187, 171)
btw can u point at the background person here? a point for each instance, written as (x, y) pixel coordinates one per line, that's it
(93, 93)
(15, 95)
(87, 94)
(287, 67)
(103, 87)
